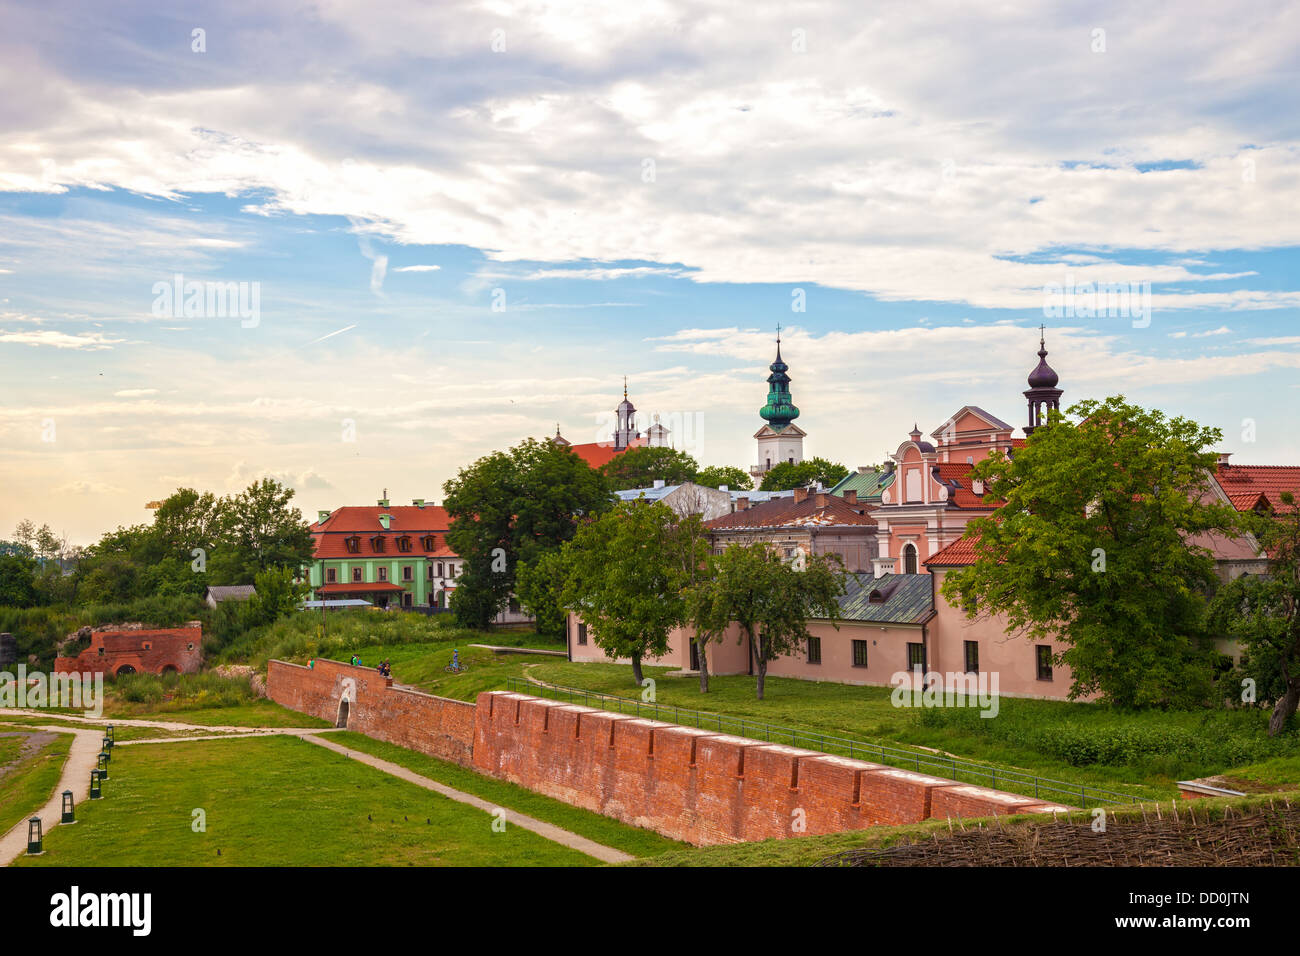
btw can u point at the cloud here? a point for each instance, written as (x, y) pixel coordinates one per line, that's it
(417, 269)
(1221, 330)
(88, 341)
(135, 392)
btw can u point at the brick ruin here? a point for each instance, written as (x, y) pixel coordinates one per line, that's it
(689, 784)
(117, 649)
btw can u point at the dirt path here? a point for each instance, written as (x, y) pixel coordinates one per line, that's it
(567, 838)
(83, 755)
(140, 722)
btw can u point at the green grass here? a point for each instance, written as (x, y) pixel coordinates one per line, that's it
(593, 826)
(26, 785)
(279, 802)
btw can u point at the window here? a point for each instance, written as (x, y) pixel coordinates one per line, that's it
(377, 543)
(383, 574)
(1044, 653)
(916, 657)
(972, 657)
(148, 645)
(814, 650)
(353, 544)
(331, 575)
(451, 570)
(406, 599)
(514, 605)
(427, 542)
(909, 559)
(428, 571)
(404, 543)
(408, 573)
(356, 575)
(440, 569)
(582, 633)
(859, 653)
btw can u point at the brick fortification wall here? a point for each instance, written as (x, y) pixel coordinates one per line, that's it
(686, 783)
(704, 787)
(432, 725)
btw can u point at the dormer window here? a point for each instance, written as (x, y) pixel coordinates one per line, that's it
(377, 543)
(877, 597)
(404, 543)
(428, 542)
(353, 544)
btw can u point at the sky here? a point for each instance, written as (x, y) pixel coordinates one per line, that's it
(457, 225)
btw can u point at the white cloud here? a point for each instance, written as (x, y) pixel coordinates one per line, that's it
(135, 392)
(89, 341)
(417, 269)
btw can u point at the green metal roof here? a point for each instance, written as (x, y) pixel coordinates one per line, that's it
(868, 484)
(901, 598)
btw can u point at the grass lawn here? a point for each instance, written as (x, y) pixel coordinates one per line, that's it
(279, 802)
(26, 785)
(593, 826)
(256, 713)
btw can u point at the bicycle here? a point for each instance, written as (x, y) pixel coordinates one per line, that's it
(453, 669)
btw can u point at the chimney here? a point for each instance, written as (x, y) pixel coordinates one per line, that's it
(418, 502)
(723, 488)
(742, 504)
(977, 486)
(383, 502)
(821, 500)
(659, 482)
(384, 519)
(1223, 458)
(863, 469)
(800, 494)
(851, 497)
(321, 516)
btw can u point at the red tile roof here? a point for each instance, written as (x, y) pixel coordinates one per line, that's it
(955, 473)
(346, 587)
(787, 513)
(1269, 480)
(960, 552)
(599, 453)
(363, 521)
(1247, 500)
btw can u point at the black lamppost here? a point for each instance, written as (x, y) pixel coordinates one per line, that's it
(107, 744)
(34, 836)
(68, 815)
(103, 765)
(109, 731)
(95, 789)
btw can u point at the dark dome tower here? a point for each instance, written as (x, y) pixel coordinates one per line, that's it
(1043, 395)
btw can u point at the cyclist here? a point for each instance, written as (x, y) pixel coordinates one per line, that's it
(455, 659)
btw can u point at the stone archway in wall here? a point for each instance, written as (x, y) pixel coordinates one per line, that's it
(347, 700)
(169, 669)
(124, 669)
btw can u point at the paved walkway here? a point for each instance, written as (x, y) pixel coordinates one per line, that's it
(139, 722)
(83, 755)
(567, 838)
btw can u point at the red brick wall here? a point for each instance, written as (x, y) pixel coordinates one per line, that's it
(689, 784)
(705, 787)
(436, 726)
(180, 648)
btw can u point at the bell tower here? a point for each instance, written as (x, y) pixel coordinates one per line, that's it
(1043, 395)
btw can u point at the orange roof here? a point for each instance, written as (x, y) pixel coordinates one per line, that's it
(363, 522)
(1247, 500)
(599, 453)
(1269, 480)
(954, 473)
(960, 552)
(344, 587)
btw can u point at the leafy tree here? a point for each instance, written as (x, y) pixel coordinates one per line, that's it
(17, 581)
(1098, 544)
(25, 534)
(540, 586)
(626, 574)
(1262, 612)
(641, 467)
(771, 599)
(715, 476)
(261, 529)
(509, 508)
(18, 548)
(786, 475)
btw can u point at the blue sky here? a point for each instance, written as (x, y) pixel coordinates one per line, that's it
(639, 193)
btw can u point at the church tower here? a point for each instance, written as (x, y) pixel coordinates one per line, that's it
(1043, 395)
(625, 430)
(780, 439)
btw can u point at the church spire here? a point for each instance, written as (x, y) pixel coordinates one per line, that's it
(1043, 395)
(780, 409)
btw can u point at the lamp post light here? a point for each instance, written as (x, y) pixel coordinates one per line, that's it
(109, 731)
(107, 744)
(69, 816)
(103, 765)
(96, 790)
(34, 837)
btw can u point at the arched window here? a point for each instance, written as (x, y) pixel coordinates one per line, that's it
(909, 559)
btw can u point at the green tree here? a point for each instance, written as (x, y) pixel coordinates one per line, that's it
(1096, 544)
(715, 476)
(1262, 612)
(786, 475)
(626, 573)
(641, 467)
(17, 581)
(540, 586)
(261, 530)
(769, 598)
(509, 508)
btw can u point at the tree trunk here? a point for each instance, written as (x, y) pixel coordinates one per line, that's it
(762, 673)
(1285, 708)
(636, 669)
(704, 667)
